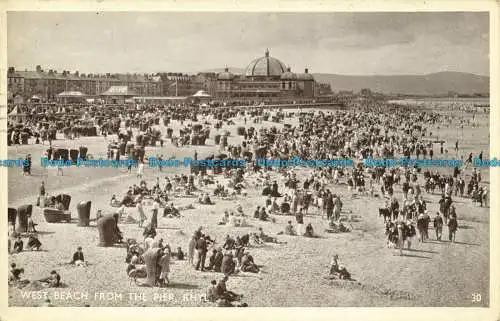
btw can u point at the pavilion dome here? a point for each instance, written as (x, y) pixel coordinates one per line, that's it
(288, 75)
(305, 76)
(226, 75)
(265, 66)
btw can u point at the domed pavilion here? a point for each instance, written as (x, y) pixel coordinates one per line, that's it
(268, 78)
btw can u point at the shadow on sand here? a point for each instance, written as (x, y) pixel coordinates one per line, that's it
(465, 243)
(183, 286)
(422, 251)
(416, 256)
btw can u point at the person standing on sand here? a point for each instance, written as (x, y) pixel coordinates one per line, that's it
(452, 228)
(60, 166)
(164, 263)
(401, 237)
(154, 216)
(140, 211)
(438, 226)
(202, 248)
(140, 170)
(299, 217)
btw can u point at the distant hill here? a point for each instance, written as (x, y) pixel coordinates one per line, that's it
(439, 83)
(431, 84)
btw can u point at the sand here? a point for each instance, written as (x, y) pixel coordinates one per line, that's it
(431, 274)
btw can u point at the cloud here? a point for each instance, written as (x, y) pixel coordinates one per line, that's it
(190, 41)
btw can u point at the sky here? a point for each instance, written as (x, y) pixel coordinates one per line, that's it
(340, 43)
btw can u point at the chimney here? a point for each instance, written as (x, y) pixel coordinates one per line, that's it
(77, 73)
(38, 68)
(306, 71)
(11, 70)
(108, 74)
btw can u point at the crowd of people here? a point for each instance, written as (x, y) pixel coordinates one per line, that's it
(375, 131)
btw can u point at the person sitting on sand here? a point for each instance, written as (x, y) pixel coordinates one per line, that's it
(289, 230)
(239, 210)
(78, 258)
(228, 265)
(219, 256)
(309, 231)
(52, 281)
(263, 215)
(114, 202)
(171, 210)
(211, 294)
(134, 271)
(265, 238)
(15, 274)
(205, 199)
(225, 218)
(229, 243)
(256, 214)
(221, 291)
(180, 255)
(338, 270)
(248, 264)
(34, 243)
(18, 245)
(275, 208)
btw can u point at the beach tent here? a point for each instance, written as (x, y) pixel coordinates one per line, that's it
(201, 94)
(35, 99)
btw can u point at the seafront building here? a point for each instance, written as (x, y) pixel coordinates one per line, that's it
(265, 78)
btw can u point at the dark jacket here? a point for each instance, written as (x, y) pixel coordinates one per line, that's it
(201, 245)
(299, 217)
(438, 222)
(78, 256)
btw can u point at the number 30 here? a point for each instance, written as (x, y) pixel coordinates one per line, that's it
(476, 297)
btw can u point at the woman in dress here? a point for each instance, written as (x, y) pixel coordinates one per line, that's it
(154, 217)
(142, 216)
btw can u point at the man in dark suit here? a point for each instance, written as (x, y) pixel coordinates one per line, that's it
(438, 226)
(329, 205)
(452, 228)
(202, 248)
